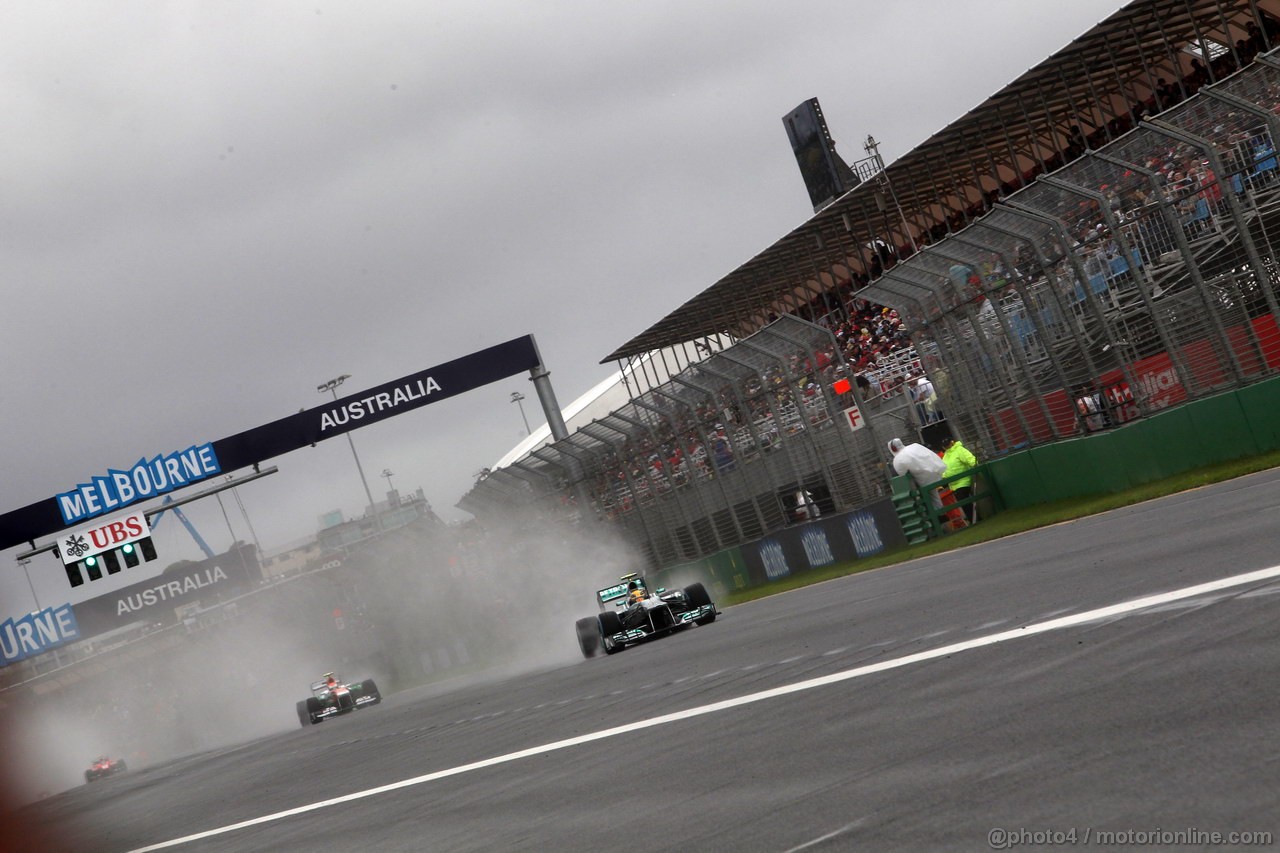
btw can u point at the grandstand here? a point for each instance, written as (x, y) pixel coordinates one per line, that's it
(1090, 246)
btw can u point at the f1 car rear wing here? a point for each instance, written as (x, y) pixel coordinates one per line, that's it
(615, 595)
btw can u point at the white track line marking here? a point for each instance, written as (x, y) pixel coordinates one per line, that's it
(823, 838)
(1112, 611)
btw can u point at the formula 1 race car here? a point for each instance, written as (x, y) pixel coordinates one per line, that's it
(102, 767)
(331, 696)
(630, 613)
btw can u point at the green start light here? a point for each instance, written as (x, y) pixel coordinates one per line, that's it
(128, 548)
(91, 561)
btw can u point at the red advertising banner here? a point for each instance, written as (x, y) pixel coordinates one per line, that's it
(1157, 386)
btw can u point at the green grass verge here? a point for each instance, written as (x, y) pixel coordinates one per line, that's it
(1017, 521)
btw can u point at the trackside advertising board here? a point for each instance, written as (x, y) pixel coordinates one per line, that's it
(37, 633)
(209, 581)
(832, 539)
(114, 489)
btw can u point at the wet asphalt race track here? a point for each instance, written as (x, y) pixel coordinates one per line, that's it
(1162, 718)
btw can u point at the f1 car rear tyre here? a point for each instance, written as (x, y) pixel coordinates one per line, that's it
(609, 624)
(368, 688)
(588, 636)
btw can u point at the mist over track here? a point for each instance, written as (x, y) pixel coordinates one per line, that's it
(1162, 716)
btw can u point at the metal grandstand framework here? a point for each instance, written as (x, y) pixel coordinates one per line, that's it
(1137, 277)
(1103, 82)
(712, 457)
(1094, 243)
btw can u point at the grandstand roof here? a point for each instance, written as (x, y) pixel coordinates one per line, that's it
(1020, 131)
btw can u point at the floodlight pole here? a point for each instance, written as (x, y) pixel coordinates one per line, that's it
(518, 398)
(332, 387)
(872, 147)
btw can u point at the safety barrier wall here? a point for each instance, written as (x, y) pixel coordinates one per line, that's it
(816, 544)
(1208, 431)
(721, 573)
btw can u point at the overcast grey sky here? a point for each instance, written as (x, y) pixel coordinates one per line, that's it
(211, 208)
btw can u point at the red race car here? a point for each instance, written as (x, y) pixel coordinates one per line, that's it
(102, 767)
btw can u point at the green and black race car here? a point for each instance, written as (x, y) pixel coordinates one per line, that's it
(630, 613)
(331, 696)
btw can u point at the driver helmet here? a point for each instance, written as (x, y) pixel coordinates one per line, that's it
(635, 591)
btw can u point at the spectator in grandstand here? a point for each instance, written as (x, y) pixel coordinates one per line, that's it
(721, 450)
(925, 467)
(926, 399)
(864, 386)
(958, 460)
(1198, 77)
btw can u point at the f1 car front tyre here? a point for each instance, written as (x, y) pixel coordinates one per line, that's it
(609, 624)
(304, 716)
(313, 710)
(696, 595)
(588, 636)
(368, 688)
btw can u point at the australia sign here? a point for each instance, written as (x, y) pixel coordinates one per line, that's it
(150, 476)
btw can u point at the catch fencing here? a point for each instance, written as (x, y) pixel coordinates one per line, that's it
(1136, 278)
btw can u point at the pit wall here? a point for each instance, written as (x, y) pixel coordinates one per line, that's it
(817, 544)
(1233, 425)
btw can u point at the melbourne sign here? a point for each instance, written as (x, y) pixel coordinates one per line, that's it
(36, 633)
(144, 479)
(88, 541)
(102, 493)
